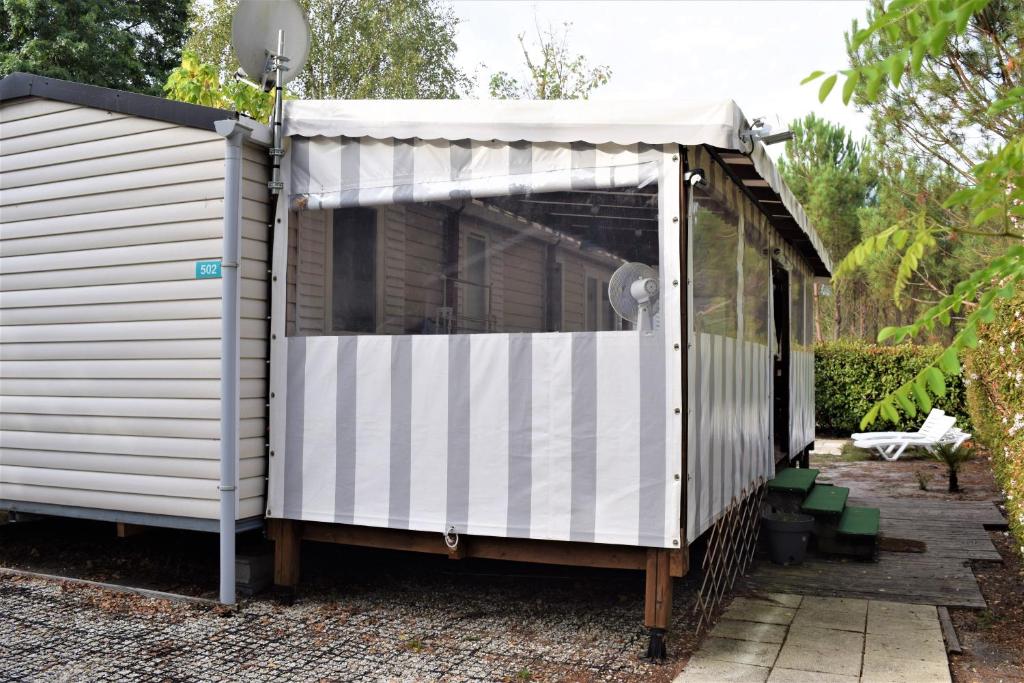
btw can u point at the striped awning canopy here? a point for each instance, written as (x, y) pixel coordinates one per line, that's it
(373, 152)
(339, 172)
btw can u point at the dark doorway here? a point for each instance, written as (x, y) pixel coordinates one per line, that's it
(780, 364)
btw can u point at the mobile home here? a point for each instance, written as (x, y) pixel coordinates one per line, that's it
(435, 348)
(118, 339)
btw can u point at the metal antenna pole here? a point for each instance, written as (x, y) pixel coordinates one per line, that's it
(277, 151)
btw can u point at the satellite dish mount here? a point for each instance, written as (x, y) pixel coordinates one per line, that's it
(276, 65)
(258, 32)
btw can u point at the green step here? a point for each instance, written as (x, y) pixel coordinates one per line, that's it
(859, 521)
(826, 500)
(792, 479)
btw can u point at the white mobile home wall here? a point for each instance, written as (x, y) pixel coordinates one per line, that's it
(109, 345)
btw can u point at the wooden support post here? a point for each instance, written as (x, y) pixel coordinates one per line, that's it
(125, 530)
(287, 537)
(679, 560)
(658, 600)
(658, 595)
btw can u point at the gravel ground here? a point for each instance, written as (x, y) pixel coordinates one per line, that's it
(360, 616)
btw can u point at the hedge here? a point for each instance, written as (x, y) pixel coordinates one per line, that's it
(850, 376)
(995, 397)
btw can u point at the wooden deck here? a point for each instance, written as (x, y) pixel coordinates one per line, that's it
(954, 534)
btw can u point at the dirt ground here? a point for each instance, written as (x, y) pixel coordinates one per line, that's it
(992, 639)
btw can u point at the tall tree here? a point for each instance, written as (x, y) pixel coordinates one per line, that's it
(827, 172)
(909, 42)
(359, 49)
(940, 112)
(553, 72)
(125, 44)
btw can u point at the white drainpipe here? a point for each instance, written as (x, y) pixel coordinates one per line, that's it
(235, 134)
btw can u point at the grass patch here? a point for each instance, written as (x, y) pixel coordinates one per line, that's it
(851, 453)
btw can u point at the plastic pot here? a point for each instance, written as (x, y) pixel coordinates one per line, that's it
(788, 533)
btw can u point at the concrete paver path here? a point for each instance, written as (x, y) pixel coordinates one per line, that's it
(782, 638)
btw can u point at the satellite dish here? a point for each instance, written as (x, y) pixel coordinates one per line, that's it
(633, 294)
(254, 35)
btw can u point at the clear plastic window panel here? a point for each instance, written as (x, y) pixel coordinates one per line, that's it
(538, 262)
(715, 283)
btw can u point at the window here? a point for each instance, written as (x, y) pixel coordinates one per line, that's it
(609, 317)
(354, 271)
(599, 312)
(556, 285)
(593, 304)
(476, 313)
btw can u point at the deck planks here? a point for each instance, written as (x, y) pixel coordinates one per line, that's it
(954, 534)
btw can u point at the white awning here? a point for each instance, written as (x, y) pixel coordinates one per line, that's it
(623, 123)
(342, 172)
(366, 152)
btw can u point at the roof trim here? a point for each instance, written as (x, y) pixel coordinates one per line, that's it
(20, 85)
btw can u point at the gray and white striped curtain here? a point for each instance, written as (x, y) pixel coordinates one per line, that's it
(552, 436)
(339, 172)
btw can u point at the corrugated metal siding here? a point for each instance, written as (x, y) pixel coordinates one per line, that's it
(110, 347)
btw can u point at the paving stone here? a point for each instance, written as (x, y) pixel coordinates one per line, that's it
(750, 630)
(745, 609)
(811, 648)
(780, 675)
(846, 614)
(781, 599)
(740, 651)
(883, 669)
(916, 645)
(701, 670)
(896, 618)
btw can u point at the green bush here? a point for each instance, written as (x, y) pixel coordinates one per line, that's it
(995, 397)
(850, 376)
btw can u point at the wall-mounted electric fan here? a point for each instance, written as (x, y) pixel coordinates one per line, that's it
(633, 294)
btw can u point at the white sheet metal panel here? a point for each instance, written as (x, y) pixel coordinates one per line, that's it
(109, 386)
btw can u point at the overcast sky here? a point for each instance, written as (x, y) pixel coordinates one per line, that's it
(754, 52)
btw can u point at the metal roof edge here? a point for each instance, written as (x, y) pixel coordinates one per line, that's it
(20, 85)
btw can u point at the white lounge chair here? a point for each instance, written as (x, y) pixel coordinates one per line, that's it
(890, 445)
(926, 427)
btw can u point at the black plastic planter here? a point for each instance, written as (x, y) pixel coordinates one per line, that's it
(788, 533)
